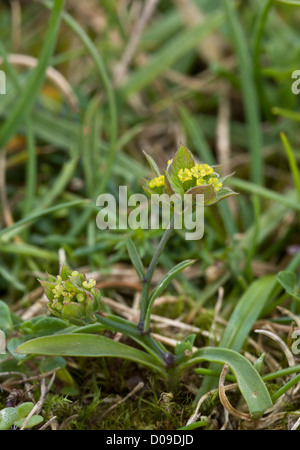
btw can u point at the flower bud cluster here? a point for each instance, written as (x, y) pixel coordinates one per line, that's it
(72, 297)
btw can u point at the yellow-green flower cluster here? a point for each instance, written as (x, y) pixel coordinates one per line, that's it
(201, 170)
(65, 293)
(72, 297)
(157, 182)
(89, 284)
(185, 175)
(216, 183)
(200, 174)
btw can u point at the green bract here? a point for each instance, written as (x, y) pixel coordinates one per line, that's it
(184, 176)
(72, 297)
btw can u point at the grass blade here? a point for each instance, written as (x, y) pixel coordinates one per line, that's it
(250, 382)
(248, 91)
(135, 259)
(166, 56)
(28, 96)
(241, 321)
(166, 280)
(113, 123)
(292, 162)
(247, 186)
(14, 229)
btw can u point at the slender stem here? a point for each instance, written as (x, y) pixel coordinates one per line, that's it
(281, 373)
(149, 275)
(158, 349)
(285, 388)
(119, 324)
(140, 333)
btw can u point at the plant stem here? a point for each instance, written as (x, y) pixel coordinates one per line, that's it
(129, 329)
(118, 324)
(141, 333)
(148, 277)
(285, 388)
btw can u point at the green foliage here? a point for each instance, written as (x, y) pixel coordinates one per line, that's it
(6, 324)
(245, 313)
(218, 77)
(289, 282)
(87, 345)
(7, 418)
(135, 258)
(17, 416)
(250, 383)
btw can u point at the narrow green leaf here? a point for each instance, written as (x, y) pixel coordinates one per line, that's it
(196, 135)
(194, 425)
(152, 164)
(87, 345)
(105, 78)
(167, 55)
(241, 321)
(261, 191)
(6, 324)
(288, 281)
(292, 162)
(7, 233)
(258, 29)
(248, 90)
(289, 2)
(9, 276)
(285, 388)
(60, 182)
(166, 280)
(289, 113)
(247, 311)
(161, 286)
(28, 250)
(135, 258)
(28, 96)
(250, 382)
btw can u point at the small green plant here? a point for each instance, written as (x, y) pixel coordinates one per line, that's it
(77, 300)
(16, 416)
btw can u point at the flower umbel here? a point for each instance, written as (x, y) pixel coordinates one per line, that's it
(184, 176)
(72, 297)
(157, 182)
(199, 175)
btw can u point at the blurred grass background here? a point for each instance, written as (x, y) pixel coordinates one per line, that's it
(91, 86)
